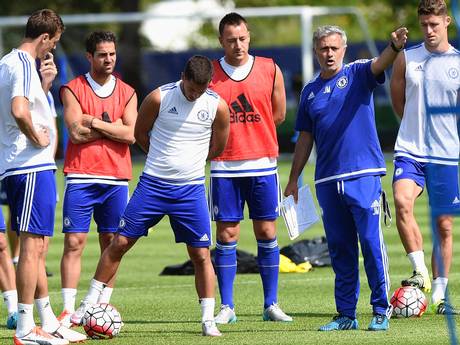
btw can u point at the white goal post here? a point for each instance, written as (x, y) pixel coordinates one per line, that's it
(306, 14)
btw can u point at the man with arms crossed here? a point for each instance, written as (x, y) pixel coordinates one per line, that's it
(414, 156)
(180, 125)
(100, 111)
(246, 172)
(336, 112)
(27, 167)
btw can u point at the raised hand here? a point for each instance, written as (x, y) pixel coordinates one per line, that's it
(399, 37)
(48, 71)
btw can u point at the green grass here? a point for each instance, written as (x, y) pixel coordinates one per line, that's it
(165, 310)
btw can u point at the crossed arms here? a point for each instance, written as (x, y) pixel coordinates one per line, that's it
(84, 128)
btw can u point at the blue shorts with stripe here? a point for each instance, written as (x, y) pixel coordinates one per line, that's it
(105, 202)
(185, 205)
(3, 200)
(229, 194)
(32, 202)
(441, 181)
(2, 222)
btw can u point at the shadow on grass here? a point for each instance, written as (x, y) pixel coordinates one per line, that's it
(158, 322)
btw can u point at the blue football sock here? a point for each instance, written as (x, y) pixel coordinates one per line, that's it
(226, 270)
(268, 258)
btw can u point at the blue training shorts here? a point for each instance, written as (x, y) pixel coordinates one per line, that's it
(106, 202)
(2, 222)
(441, 181)
(32, 202)
(3, 200)
(184, 204)
(229, 194)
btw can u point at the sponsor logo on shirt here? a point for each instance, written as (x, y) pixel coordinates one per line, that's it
(342, 82)
(67, 222)
(453, 73)
(203, 115)
(173, 110)
(375, 208)
(241, 111)
(419, 68)
(204, 238)
(311, 96)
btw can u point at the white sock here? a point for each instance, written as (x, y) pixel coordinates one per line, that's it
(11, 301)
(105, 295)
(68, 299)
(207, 309)
(25, 319)
(417, 259)
(49, 321)
(95, 290)
(439, 286)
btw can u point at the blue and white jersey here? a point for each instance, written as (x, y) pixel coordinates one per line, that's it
(339, 112)
(19, 77)
(432, 139)
(180, 137)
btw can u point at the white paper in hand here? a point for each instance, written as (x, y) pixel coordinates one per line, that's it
(301, 215)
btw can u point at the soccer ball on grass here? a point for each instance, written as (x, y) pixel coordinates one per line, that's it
(408, 301)
(102, 321)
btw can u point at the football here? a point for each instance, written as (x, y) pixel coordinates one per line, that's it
(408, 301)
(102, 321)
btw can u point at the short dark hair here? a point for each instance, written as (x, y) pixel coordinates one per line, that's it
(97, 37)
(198, 69)
(432, 7)
(231, 18)
(44, 21)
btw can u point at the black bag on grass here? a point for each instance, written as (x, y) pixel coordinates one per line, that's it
(314, 250)
(246, 263)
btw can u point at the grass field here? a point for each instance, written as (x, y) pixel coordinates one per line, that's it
(165, 310)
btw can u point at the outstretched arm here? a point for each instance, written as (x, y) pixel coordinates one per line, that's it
(398, 85)
(148, 114)
(386, 58)
(220, 130)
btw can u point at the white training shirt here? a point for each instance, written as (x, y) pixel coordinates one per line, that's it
(19, 77)
(431, 139)
(180, 137)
